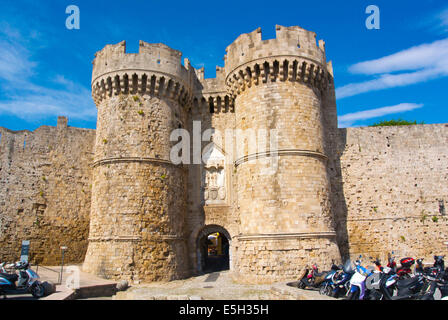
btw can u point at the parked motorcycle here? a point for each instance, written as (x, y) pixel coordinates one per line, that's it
(27, 282)
(436, 276)
(409, 288)
(358, 288)
(438, 266)
(325, 286)
(312, 277)
(340, 283)
(354, 281)
(378, 281)
(391, 262)
(405, 266)
(374, 279)
(419, 268)
(378, 266)
(405, 270)
(439, 263)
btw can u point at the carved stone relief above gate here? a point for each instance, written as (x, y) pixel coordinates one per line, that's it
(213, 176)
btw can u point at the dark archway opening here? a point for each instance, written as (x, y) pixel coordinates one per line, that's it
(214, 249)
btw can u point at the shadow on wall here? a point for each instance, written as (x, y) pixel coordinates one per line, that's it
(338, 203)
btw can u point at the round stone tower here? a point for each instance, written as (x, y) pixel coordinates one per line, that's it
(282, 185)
(138, 195)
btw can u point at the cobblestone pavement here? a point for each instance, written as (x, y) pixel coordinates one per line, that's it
(212, 286)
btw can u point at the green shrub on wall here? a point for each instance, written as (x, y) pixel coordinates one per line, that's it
(398, 122)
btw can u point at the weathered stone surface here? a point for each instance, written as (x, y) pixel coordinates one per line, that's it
(45, 192)
(122, 285)
(114, 197)
(394, 186)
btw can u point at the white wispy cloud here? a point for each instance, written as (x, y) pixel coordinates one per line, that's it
(417, 64)
(15, 63)
(424, 56)
(442, 21)
(349, 119)
(24, 97)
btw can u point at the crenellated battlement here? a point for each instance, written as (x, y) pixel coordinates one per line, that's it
(292, 55)
(212, 94)
(151, 56)
(155, 69)
(293, 41)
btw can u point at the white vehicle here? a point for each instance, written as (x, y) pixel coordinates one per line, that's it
(27, 281)
(358, 281)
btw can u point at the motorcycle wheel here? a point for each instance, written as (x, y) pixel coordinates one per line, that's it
(38, 291)
(323, 289)
(333, 293)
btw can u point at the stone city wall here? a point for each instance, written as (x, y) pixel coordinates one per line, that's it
(395, 187)
(45, 192)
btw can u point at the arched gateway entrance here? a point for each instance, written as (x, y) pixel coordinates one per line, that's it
(213, 249)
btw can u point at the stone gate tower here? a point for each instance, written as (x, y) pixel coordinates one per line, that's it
(148, 218)
(284, 203)
(138, 196)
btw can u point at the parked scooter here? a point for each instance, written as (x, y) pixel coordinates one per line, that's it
(358, 281)
(439, 263)
(406, 289)
(405, 271)
(341, 280)
(378, 281)
(391, 262)
(325, 286)
(437, 268)
(374, 279)
(419, 268)
(378, 266)
(431, 285)
(311, 277)
(27, 282)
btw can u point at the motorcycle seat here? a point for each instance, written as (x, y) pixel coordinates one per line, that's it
(320, 274)
(9, 277)
(406, 283)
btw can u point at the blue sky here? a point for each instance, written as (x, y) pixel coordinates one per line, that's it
(398, 71)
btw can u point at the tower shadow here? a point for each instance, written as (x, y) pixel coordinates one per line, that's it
(337, 198)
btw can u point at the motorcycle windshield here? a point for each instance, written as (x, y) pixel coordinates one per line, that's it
(347, 266)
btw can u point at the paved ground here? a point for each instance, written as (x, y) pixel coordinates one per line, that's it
(72, 277)
(97, 298)
(70, 274)
(20, 297)
(212, 286)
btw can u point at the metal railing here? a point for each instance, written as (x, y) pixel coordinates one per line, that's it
(58, 273)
